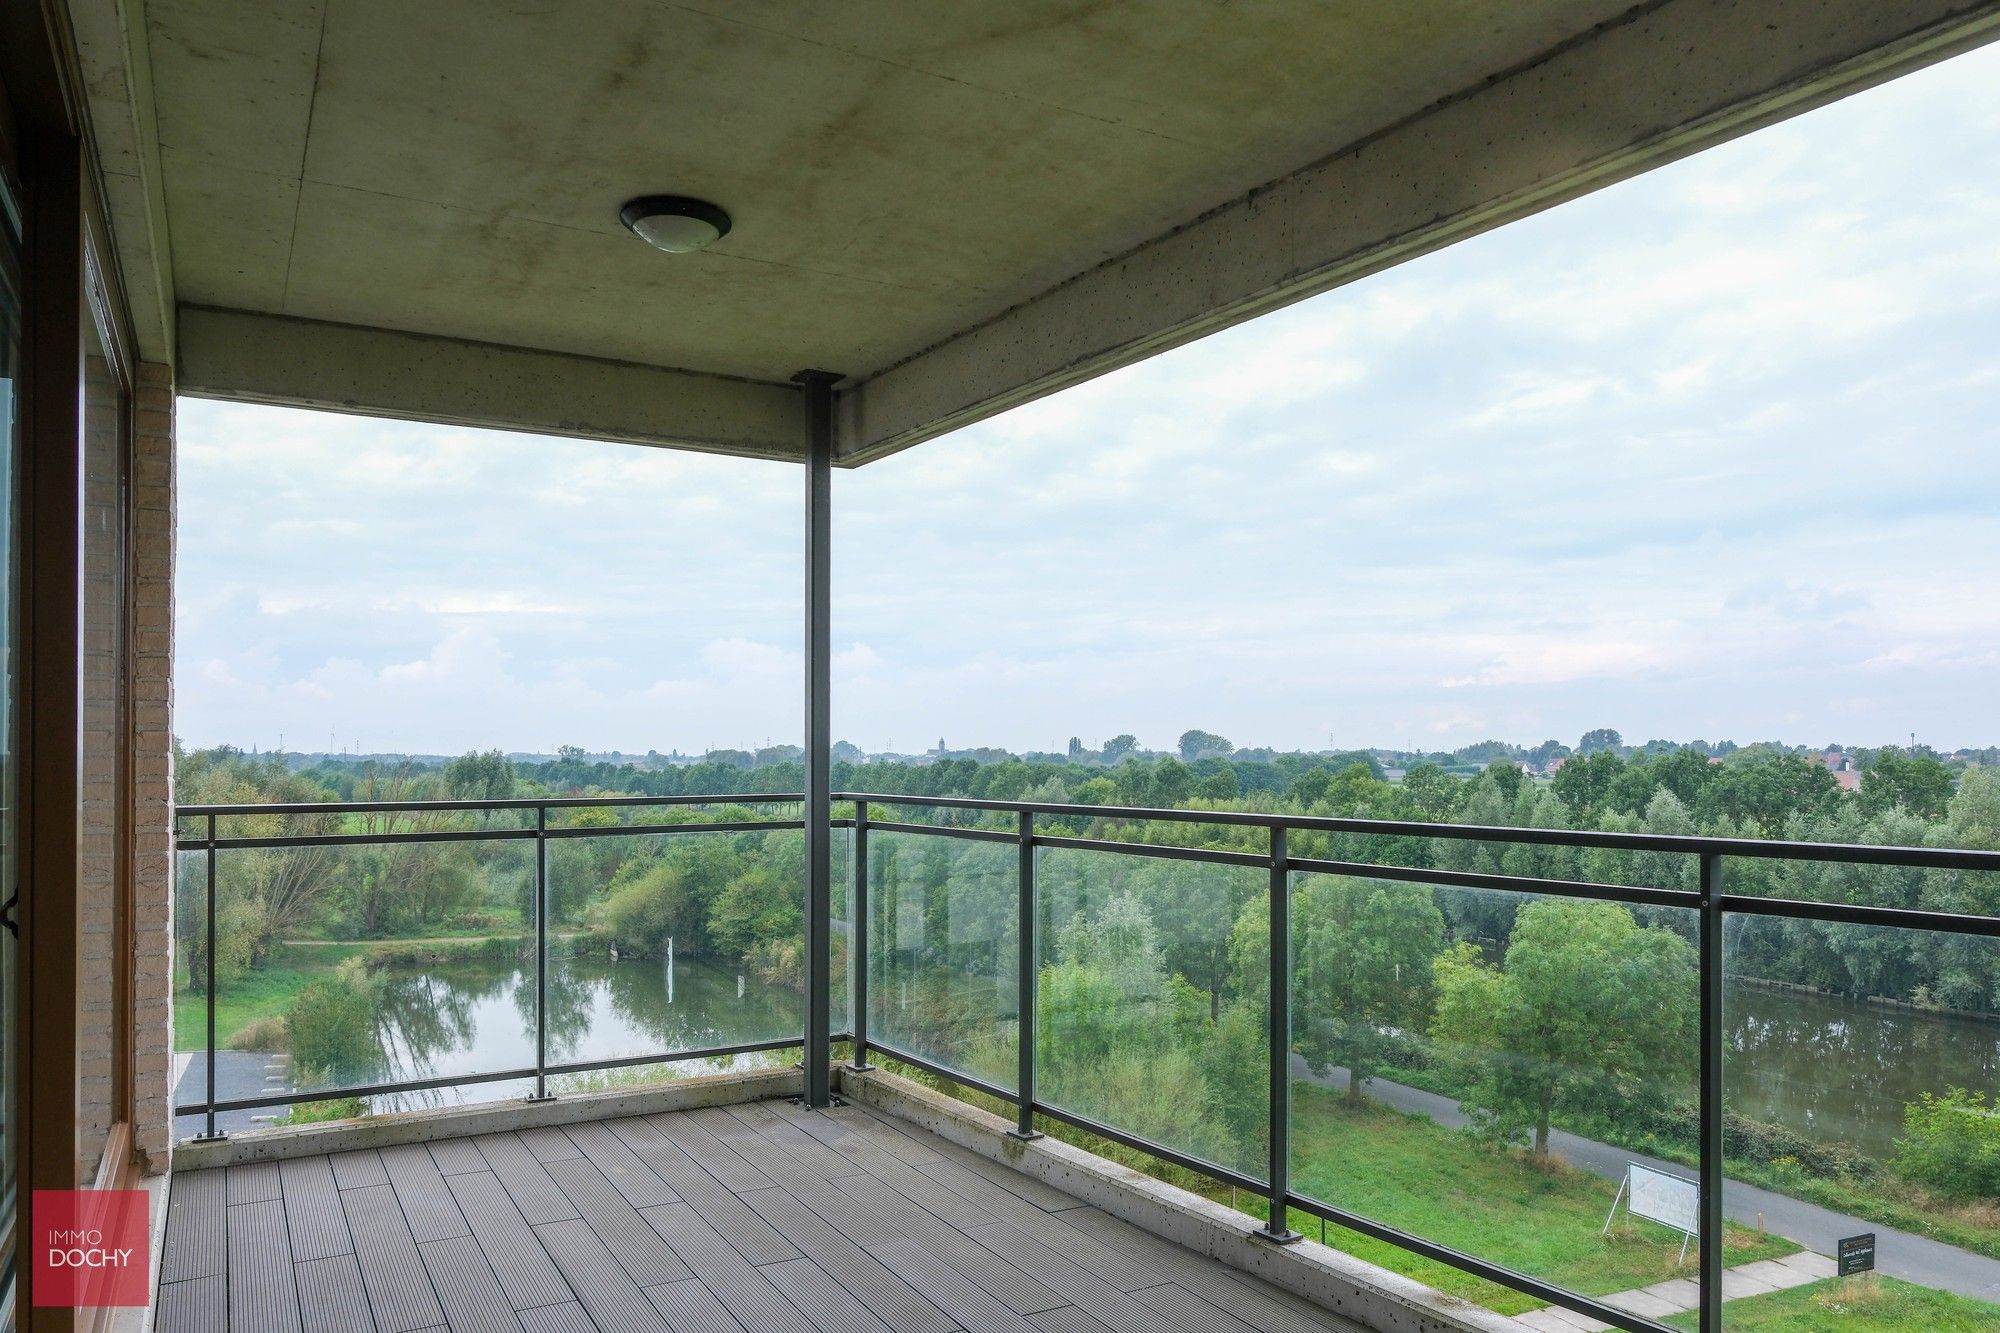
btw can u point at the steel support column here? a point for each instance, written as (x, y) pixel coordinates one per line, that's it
(818, 386)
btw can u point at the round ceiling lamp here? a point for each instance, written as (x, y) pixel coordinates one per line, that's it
(675, 223)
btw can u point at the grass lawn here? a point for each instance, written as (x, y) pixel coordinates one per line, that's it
(261, 992)
(1542, 1220)
(1871, 1305)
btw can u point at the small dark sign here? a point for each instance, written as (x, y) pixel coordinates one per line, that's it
(1857, 1254)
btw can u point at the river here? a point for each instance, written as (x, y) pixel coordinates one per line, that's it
(1842, 1070)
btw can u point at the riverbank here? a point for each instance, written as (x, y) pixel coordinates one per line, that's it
(1901, 1254)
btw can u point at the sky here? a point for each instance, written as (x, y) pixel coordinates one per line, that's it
(1713, 453)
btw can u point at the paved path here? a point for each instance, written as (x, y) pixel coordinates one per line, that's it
(1900, 1254)
(238, 1074)
(1680, 1293)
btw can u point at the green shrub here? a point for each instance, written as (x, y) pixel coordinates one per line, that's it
(333, 1108)
(1951, 1144)
(331, 1028)
(263, 1034)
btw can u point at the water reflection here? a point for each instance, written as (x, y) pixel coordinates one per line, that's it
(1838, 1069)
(471, 1018)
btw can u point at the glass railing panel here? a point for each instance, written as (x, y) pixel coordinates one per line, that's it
(840, 912)
(661, 943)
(353, 965)
(1492, 1072)
(1862, 1093)
(943, 965)
(1153, 1000)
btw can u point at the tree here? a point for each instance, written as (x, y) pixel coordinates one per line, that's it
(1310, 787)
(1586, 1005)
(1364, 971)
(480, 776)
(1767, 790)
(1172, 783)
(1433, 794)
(1599, 741)
(1584, 783)
(1119, 746)
(1195, 744)
(1918, 783)
(1220, 785)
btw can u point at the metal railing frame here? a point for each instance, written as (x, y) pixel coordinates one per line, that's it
(1710, 902)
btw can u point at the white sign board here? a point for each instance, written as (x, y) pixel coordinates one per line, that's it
(1659, 1197)
(1673, 1201)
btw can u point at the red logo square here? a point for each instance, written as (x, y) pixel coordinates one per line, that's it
(90, 1247)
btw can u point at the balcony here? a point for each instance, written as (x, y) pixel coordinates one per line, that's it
(419, 213)
(1010, 956)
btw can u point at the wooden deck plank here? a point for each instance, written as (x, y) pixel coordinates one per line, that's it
(605, 1290)
(692, 1136)
(263, 1293)
(638, 1248)
(312, 1211)
(254, 1182)
(193, 1305)
(332, 1298)
(627, 1172)
(457, 1157)
(853, 1267)
(471, 1296)
(526, 1273)
(690, 1307)
(399, 1287)
(566, 1318)
(196, 1242)
(827, 1303)
(538, 1196)
(756, 1239)
(740, 1285)
(548, 1143)
(427, 1201)
(362, 1166)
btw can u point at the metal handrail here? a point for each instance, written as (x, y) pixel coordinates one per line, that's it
(1710, 902)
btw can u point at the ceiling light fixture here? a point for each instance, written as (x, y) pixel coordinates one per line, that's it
(675, 223)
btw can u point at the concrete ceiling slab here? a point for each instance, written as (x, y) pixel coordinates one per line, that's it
(897, 170)
(958, 206)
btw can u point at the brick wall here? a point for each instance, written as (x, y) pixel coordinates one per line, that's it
(152, 696)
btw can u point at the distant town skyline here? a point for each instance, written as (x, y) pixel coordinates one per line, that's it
(1713, 452)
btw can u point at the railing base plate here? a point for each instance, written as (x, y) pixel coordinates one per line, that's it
(860, 1069)
(217, 1137)
(1028, 1137)
(540, 1097)
(1277, 1237)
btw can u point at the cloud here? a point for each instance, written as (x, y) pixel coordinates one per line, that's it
(1705, 450)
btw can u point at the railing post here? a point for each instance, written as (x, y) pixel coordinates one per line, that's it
(541, 954)
(818, 386)
(1276, 1226)
(857, 943)
(1710, 1094)
(209, 1134)
(1026, 975)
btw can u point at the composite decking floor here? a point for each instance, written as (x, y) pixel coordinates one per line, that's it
(738, 1219)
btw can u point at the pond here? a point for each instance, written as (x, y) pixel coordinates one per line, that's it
(463, 1018)
(1842, 1070)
